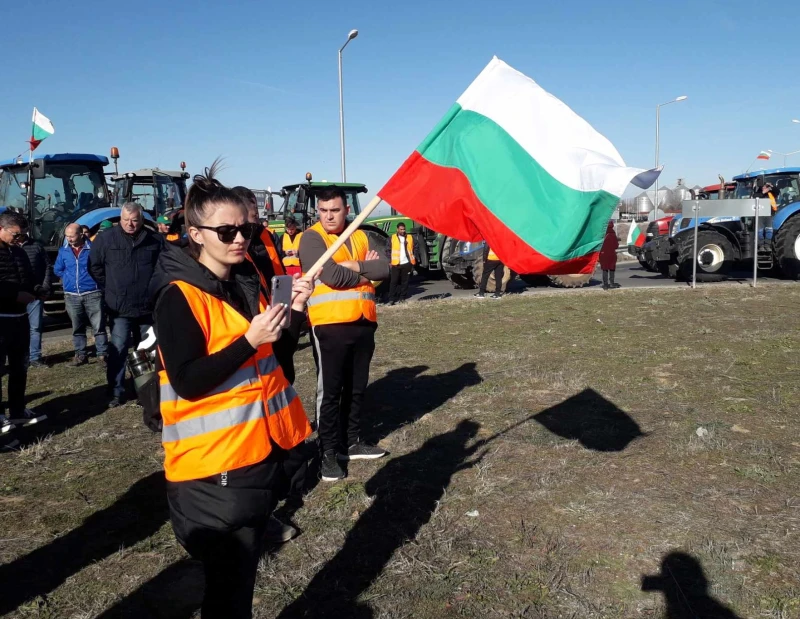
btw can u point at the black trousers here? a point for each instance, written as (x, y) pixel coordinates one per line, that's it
(398, 282)
(343, 353)
(608, 275)
(15, 338)
(223, 527)
(490, 266)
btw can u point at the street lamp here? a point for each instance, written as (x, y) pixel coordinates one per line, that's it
(353, 34)
(658, 118)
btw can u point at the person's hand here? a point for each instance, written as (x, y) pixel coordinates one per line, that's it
(25, 297)
(372, 255)
(266, 327)
(302, 289)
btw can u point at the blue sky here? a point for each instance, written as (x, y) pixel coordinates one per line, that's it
(256, 81)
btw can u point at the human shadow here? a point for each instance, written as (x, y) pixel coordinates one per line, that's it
(404, 395)
(64, 412)
(685, 589)
(596, 423)
(133, 517)
(405, 494)
(175, 593)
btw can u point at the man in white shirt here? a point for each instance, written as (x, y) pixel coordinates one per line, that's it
(402, 265)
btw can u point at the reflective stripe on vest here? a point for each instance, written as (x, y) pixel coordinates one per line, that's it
(336, 306)
(396, 249)
(232, 424)
(290, 247)
(274, 258)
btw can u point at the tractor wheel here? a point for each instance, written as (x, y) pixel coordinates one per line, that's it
(787, 247)
(648, 265)
(570, 281)
(714, 257)
(460, 281)
(663, 267)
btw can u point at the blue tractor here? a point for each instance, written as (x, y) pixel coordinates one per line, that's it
(726, 235)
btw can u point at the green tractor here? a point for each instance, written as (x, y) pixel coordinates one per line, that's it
(300, 200)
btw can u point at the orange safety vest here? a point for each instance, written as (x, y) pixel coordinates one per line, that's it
(277, 265)
(291, 247)
(231, 425)
(173, 237)
(328, 305)
(492, 255)
(396, 249)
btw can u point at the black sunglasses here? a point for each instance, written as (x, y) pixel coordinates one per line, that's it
(227, 233)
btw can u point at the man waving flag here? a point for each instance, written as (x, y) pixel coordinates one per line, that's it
(512, 164)
(42, 128)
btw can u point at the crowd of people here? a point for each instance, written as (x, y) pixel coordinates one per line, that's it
(235, 433)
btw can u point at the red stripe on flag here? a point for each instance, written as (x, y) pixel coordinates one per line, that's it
(442, 199)
(34, 143)
(765, 157)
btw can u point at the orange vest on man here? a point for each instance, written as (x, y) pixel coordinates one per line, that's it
(272, 251)
(230, 426)
(334, 306)
(396, 249)
(291, 247)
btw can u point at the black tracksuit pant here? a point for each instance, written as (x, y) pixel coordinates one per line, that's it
(343, 353)
(490, 266)
(15, 336)
(398, 282)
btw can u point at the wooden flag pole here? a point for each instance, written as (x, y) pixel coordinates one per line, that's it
(373, 204)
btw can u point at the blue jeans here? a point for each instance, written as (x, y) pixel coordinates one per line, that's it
(122, 329)
(83, 310)
(35, 315)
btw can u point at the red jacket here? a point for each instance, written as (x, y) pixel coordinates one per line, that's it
(608, 253)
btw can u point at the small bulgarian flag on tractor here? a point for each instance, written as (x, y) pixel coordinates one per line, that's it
(42, 128)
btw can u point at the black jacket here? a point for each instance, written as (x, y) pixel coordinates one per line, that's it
(122, 266)
(40, 263)
(16, 276)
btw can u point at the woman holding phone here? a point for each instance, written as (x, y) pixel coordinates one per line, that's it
(229, 414)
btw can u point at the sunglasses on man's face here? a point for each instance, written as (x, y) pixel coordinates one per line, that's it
(227, 233)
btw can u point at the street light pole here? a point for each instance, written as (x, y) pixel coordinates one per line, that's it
(658, 119)
(352, 35)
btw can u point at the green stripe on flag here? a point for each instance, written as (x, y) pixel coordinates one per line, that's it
(558, 221)
(39, 133)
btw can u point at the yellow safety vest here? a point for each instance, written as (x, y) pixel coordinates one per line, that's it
(396, 249)
(291, 248)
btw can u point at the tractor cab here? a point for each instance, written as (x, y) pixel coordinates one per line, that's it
(300, 200)
(785, 183)
(53, 191)
(160, 192)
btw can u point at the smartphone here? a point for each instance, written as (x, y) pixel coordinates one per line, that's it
(282, 293)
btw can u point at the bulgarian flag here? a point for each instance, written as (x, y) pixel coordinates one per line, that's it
(635, 236)
(763, 155)
(513, 165)
(42, 128)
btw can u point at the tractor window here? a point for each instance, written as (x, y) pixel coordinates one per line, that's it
(11, 191)
(744, 189)
(787, 189)
(352, 202)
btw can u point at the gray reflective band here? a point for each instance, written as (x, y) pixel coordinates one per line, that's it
(212, 422)
(281, 400)
(336, 295)
(240, 378)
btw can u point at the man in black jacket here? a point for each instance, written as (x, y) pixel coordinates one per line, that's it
(16, 291)
(122, 262)
(40, 263)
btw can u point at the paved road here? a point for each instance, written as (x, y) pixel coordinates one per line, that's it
(629, 275)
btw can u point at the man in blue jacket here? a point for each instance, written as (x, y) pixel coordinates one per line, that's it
(82, 296)
(122, 261)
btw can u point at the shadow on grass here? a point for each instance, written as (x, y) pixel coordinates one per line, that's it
(685, 589)
(175, 593)
(405, 494)
(403, 396)
(136, 515)
(596, 423)
(64, 412)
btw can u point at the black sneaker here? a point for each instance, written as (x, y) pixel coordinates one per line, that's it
(362, 451)
(479, 295)
(26, 418)
(38, 364)
(116, 401)
(5, 425)
(330, 469)
(496, 296)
